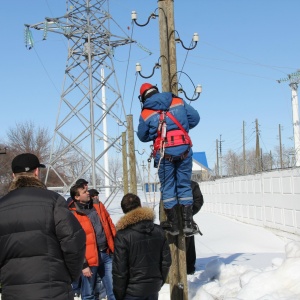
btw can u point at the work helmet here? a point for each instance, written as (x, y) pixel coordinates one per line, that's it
(146, 88)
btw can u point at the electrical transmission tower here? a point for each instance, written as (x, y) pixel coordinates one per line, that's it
(91, 107)
(294, 80)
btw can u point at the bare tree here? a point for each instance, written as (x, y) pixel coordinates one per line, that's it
(5, 169)
(232, 163)
(267, 161)
(287, 158)
(72, 165)
(25, 137)
(115, 168)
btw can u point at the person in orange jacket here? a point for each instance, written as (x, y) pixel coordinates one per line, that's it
(100, 232)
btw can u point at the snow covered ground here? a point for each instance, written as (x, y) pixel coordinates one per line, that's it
(237, 261)
(240, 261)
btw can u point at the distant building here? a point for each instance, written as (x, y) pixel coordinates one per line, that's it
(151, 186)
(200, 170)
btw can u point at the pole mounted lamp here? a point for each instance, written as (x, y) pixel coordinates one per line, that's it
(134, 18)
(195, 41)
(198, 91)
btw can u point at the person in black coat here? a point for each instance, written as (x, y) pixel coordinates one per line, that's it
(190, 241)
(142, 256)
(42, 245)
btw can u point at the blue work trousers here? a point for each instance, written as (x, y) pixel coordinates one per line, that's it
(175, 180)
(89, 284)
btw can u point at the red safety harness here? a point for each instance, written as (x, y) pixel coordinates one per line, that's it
(170, 138)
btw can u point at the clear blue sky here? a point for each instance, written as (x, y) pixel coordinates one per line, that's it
(244, 47)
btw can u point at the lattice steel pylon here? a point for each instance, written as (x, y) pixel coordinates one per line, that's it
(90, 98)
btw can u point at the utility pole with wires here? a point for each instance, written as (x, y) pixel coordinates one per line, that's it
(220, 159)
(217, 158)
(132, 160)
(294, 80)
(82, 111)
(169, 80)
(244, 150)
(177, 275)
(124, 160)
(280, 148)
(258, 166)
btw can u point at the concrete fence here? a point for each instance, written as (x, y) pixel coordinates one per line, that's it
(270, 200)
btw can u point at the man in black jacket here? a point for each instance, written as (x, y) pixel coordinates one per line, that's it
(142, 255)
(190, 241)
(42, 244)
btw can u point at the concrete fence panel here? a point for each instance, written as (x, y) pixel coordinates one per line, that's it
(270, 200)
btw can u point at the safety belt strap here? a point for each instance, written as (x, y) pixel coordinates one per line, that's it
(176, 122)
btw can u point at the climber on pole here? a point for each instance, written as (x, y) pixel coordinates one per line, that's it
(166, 120)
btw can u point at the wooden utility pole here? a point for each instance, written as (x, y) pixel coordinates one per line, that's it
(280, 148)
(125, 167)
(177, 275)
(261, 160)
(132, 161)
(244, 150)
(217, 150)
(221, 157)
(167, 46)
(257, 149)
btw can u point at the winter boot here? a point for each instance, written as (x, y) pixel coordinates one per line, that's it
(171, 225)
(187, 219)
(196, 228)
(195, 231)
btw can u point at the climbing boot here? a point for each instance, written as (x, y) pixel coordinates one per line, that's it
(187, 219)
(195, 231)
(171, 224)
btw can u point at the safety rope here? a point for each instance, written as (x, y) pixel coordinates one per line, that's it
(162, 153)
(162, 128)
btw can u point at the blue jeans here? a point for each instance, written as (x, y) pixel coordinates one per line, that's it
(175, 181)
(151, 297)
(76, 286)
(88, 284)
(100, 291)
